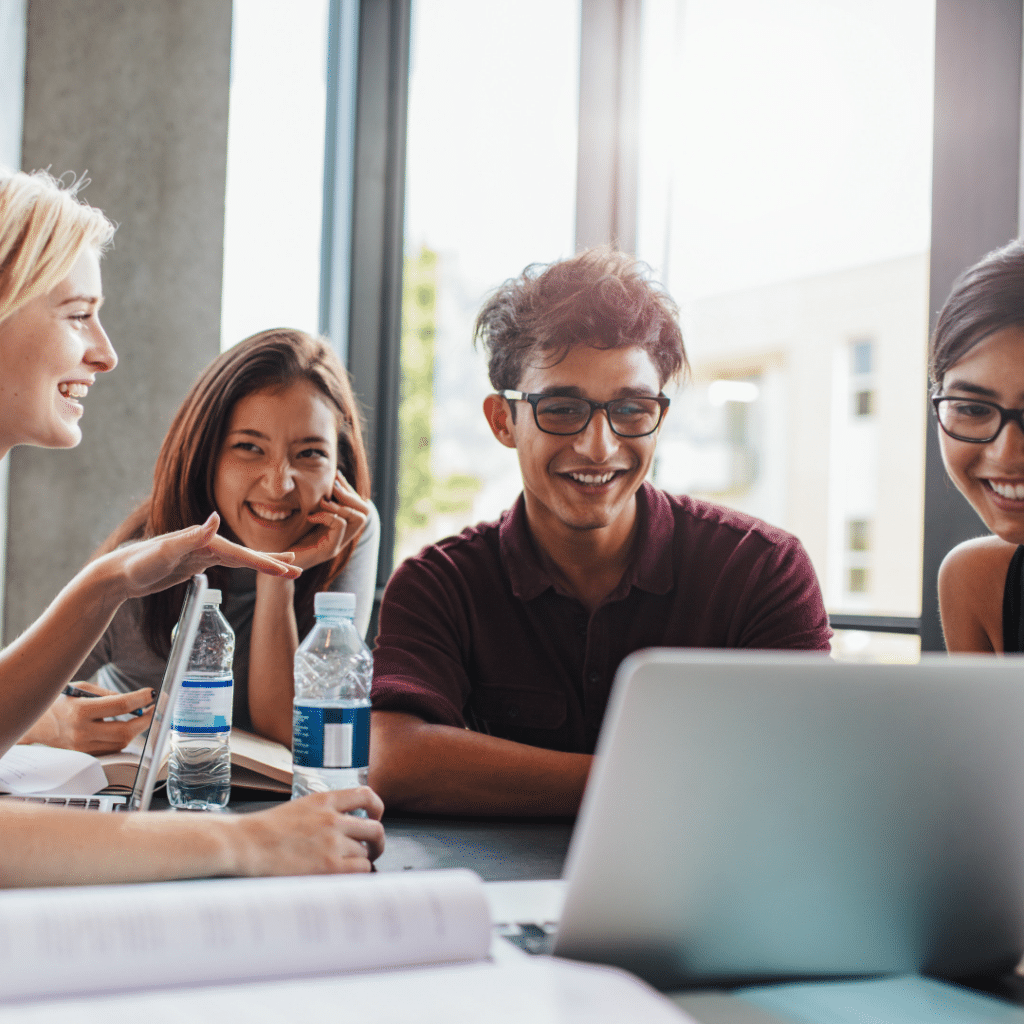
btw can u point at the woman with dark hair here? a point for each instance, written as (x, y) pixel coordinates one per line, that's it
(269, 438)
(976, 366)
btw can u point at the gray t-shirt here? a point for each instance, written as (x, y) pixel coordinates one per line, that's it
(122, 660)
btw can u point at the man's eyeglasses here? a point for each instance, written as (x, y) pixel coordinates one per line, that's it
(973, 419)
(562, 414)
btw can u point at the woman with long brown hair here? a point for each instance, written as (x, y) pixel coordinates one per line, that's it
(269, 438)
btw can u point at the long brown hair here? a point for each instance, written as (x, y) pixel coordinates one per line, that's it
(183, 477)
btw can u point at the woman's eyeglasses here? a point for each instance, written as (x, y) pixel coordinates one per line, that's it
(974, 419)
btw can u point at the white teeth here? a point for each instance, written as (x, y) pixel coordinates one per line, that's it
(1013, 491)
(73, 390)
(269, 514)
(586, 478)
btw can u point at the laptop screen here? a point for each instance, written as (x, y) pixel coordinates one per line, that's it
(177, 662)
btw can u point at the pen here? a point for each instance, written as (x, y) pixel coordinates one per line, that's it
(74, 691)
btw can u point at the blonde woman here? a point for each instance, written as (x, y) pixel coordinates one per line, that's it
(52, 347)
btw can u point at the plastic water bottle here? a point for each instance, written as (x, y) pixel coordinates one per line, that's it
(331, 719)
(199, 769)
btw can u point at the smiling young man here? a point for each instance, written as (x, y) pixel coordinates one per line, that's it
(497, 648)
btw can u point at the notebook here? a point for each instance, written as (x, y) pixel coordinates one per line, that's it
(753, 817)
(156, 740)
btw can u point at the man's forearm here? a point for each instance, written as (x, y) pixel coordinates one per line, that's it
(439, 769)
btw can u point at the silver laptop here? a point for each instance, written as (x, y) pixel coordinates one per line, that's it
(755, 816)
(156, 739)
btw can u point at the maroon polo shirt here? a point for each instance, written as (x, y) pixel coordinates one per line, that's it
(475, 633)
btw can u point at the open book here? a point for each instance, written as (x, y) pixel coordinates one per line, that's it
(256, 763)
(278, 949)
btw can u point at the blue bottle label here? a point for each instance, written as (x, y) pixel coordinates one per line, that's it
(331, 737)
(203, 706)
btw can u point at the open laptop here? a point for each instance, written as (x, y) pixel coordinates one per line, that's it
(754, 817)
(156, 739)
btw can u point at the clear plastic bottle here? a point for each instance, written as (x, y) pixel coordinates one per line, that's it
(331, 719)
(199, 769)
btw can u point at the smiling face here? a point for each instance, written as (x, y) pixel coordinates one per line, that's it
(51, 350)
(991, 476)
(277, 461)
(586, 481)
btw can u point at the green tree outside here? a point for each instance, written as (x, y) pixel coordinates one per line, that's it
(422, 497)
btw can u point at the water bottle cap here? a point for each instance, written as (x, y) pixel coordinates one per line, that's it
(330, 603)
(211, 597)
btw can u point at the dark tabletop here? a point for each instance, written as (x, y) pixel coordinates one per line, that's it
(497, 849)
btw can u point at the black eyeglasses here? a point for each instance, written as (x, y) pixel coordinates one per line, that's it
(564, 414)
(974, 419)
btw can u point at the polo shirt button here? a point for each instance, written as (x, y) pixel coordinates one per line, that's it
(594, 677)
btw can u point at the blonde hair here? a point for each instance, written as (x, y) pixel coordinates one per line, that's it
(44, 227)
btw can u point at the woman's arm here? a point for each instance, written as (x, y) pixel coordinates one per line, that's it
(314, 835)
(272, 646)
(972, 578)
(275, 634)
(45, 657)
(359, 576)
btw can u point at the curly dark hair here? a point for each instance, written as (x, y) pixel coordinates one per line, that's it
(985, 298)
(599, 297)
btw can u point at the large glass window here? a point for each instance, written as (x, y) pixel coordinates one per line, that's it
(274, 198)
(491, 177)
(785, 200)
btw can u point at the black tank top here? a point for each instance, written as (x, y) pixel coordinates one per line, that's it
(1013, 619)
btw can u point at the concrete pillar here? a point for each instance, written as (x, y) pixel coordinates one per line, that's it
(13, 15)
(136, 95)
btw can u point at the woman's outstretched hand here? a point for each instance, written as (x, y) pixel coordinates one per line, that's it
(159, 563)
(339, 520)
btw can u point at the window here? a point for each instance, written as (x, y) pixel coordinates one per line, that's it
(858, 580)
(800, 261)
(860, 535)
(480, 205)
(274, 197)
(861, 352)
(858, 557)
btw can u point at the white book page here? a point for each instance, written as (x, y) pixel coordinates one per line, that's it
(33, 768)
(533, 902)
(56, 942)
(538, 990)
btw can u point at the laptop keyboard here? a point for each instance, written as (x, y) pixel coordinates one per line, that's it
(85, 803)
(531, 938)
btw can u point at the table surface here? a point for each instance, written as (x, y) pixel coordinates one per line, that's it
(497, 850)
